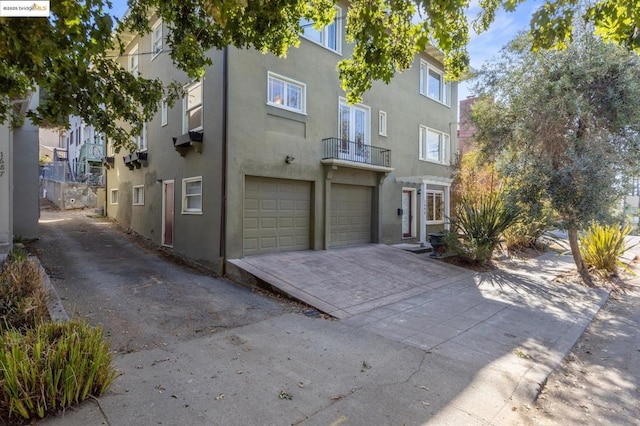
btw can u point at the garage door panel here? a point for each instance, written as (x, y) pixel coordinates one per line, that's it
(350, 215)
(282, 210)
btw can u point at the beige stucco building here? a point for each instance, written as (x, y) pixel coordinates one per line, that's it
(264, 154)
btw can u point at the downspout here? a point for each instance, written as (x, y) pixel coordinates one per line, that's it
(223, 204)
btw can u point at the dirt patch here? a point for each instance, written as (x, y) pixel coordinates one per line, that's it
(502, 258)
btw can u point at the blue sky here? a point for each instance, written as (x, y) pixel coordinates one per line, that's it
(481, 48)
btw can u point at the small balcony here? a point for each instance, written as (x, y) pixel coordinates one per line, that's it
(343, 152)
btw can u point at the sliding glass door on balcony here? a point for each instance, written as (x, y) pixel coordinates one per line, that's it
(354, 133)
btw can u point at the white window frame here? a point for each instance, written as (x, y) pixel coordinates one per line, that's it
(164, 113)
(324, 37)
(111, 151)
(134, 61)
(433, 194)
(444, 146)
(113, 196)
(287, 82)
(342, 102)
(138, 195)
(185, 209)
(444, 93)
(382, 123)
(141, 140)
(156, 38)
(185, 111)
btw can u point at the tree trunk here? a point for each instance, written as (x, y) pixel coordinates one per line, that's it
(577, 257)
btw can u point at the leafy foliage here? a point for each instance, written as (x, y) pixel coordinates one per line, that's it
(70, 56)
(51, 367)
(23, 298)
(479, 226)
(564, 124)
(602, 246)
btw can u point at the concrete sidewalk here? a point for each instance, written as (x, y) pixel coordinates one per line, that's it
(468, 352)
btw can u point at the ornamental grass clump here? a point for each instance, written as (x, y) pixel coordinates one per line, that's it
(479, 227)
(602, 246)
(23, 297)
(48, 368)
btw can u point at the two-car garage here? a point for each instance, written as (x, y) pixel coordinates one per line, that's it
(277, 215)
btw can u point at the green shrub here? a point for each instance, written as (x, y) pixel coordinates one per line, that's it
(524, 234)
(479, 227)
(51, 367)
(603, 245)
(23, 297)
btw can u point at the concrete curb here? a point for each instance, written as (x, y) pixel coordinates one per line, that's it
(56, 309)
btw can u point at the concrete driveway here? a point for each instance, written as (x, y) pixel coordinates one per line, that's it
(420, 342)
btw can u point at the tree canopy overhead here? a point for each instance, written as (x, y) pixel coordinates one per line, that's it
(67, 55)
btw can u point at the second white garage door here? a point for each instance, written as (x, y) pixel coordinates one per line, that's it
(276, 215)
(350, 215)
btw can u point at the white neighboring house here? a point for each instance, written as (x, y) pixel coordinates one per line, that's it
(85, 152)
(19, 211)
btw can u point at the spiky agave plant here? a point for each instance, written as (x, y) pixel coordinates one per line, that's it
(480, 225)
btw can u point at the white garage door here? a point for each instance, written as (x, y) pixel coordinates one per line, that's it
(350, 215)
(276, 215)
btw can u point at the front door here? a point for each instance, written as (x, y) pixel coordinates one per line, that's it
(407, 213)
(167, 213)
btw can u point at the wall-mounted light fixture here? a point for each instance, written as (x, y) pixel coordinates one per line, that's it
(289, 159)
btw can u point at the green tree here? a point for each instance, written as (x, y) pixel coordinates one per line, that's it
(70, 55)
(565, 121)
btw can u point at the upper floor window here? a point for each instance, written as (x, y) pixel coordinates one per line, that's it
(133, 61)
(433, 84)
(141, 139)
(164, 112)
(329, 36)
(286, 93)
(156, 39)
(192, 106)
(382, 123)
(434, 146)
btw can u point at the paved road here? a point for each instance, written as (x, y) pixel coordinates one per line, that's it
(142, 300)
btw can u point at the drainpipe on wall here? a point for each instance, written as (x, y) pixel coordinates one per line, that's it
(223, 204)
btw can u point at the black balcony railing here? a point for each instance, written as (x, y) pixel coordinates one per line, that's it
(357, 152)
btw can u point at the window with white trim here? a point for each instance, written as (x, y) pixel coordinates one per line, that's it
(141, 139)
(133, 60)
(111, 151)
(434, 146)
(433, 84)
(329, 36)
(285, 93)
(192, 195)
(382, 123)
(113, 198)
(156, 39)
(164, 112)
(192, 107)
(435, 207)
(138, 195)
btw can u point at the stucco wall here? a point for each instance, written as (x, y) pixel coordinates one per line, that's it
(196, 236)
(70, 195)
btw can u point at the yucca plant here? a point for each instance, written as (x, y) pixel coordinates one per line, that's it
(51, 367)
(602, 246)
(479, 227)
